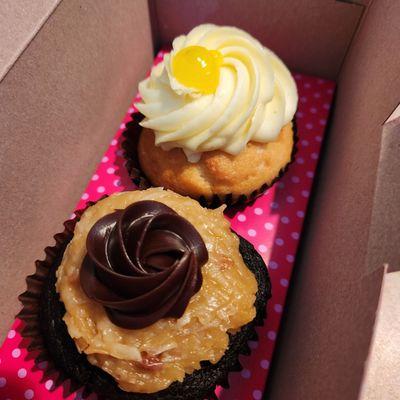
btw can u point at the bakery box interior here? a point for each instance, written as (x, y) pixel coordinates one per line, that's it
(69, 70)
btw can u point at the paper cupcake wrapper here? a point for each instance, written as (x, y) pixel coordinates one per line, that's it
(130, 143)
(50, 342)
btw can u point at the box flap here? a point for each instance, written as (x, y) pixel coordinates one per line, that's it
(330, 319)
(381, 380)
(19, 22)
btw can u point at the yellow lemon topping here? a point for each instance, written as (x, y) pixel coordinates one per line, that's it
(197, 67)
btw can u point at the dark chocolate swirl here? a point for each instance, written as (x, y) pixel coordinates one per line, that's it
(143, 264)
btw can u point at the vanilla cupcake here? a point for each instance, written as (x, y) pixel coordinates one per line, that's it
(148, 296)
(218, 117)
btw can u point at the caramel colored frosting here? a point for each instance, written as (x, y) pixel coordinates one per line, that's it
(143, 264)
(218, 89)
(149, 359)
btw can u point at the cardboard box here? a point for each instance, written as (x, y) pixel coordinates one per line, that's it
(63, 89)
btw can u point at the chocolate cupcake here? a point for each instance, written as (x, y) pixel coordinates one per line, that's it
(218, 116)
(148, 296)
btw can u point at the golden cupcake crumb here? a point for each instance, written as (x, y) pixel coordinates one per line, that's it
(217, 172)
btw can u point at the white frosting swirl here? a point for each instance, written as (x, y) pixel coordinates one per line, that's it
(256, 96)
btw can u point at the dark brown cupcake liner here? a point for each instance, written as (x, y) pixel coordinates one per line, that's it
(49, 341)
(130, 146)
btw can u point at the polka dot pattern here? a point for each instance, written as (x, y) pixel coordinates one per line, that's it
(22, 373)
(273, 223)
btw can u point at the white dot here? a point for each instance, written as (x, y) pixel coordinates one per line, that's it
(279, 241)
(278, 308)
(326, 106)
(16, 353)
(309, 126)
(253, 344)
(274, 205)
(101, 189)
(246, 374)
(49, 384)
(314, 156)
(120, 153)
(285, 220)
(320, 81)
(310, 174)
(264, 364)
(257, 394)
(330, 91)
(299, 114)
(300, 214)
(295, 235)
(284, 282)
(241, 217)
(85, 196)
(104, 159)
(114, 142)
(95, 177)
(307, 85)
(131, 110)
(318, 138)
(252, 232)
(273, 265)
(21, 373)
(290, 199)
(262, 248)
(11, 334)
(313, 110)
(122, 126)
(3, 382)
(303, 99)
(72, 216)
(297, 76)
(117, 182)
(304, 143)
(317, 95)
(305, 193)
(290, 258)
(295, 179)
(268, 226)
(110, 170)
(322, 121)
(258, 211)
(300, 160)
(281, 185)
(29, 394)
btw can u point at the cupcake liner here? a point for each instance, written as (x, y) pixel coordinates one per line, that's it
(130, 146)
(49, 340)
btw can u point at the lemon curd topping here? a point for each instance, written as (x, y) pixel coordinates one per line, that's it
(198, 68)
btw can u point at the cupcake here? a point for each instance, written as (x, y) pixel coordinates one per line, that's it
(146, 295)
(218, 117)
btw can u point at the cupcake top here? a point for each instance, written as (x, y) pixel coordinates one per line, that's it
(194, 287)
(218, 89)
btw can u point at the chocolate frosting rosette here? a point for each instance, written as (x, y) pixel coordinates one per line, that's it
(143, 264)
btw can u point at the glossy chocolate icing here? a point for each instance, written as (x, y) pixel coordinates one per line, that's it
(143, 264)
